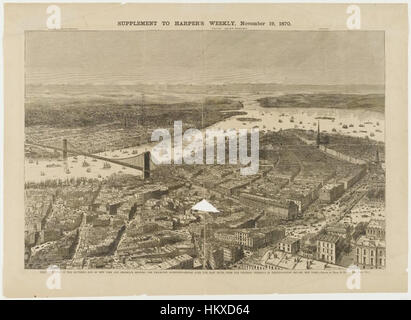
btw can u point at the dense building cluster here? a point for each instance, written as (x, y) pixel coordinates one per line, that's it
(307, 208)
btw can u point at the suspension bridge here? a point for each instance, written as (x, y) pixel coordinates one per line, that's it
(139, 162)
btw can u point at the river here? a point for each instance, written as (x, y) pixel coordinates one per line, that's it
(352, 122)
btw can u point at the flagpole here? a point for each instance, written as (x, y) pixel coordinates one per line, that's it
(204, 245)
(204, 206)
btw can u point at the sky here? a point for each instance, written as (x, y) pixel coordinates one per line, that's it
(205, 57)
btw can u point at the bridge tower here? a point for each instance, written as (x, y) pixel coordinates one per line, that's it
(146, 165)
(65, 149)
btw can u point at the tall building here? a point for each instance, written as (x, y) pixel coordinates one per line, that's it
(318, 134)
(146, 166)
(329, 247)
(377, 156)
(370, 253)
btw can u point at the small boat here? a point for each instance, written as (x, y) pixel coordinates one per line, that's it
(351, 125)
(345, 126)
(106, 165)
(88, 170)
(334, 130)
(280, 121)
(85, 164)
(42, 173)
(67, 171)
(361, 126)
(372, 134)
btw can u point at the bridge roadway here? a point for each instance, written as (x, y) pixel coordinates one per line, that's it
(125, 164)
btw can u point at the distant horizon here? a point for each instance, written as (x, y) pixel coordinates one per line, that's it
(206, 57)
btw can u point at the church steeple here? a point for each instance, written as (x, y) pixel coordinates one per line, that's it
(377, 156)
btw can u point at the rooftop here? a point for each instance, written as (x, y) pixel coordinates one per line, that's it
(377, 223)
(328, 238)
(289, 240)
(367, 242)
